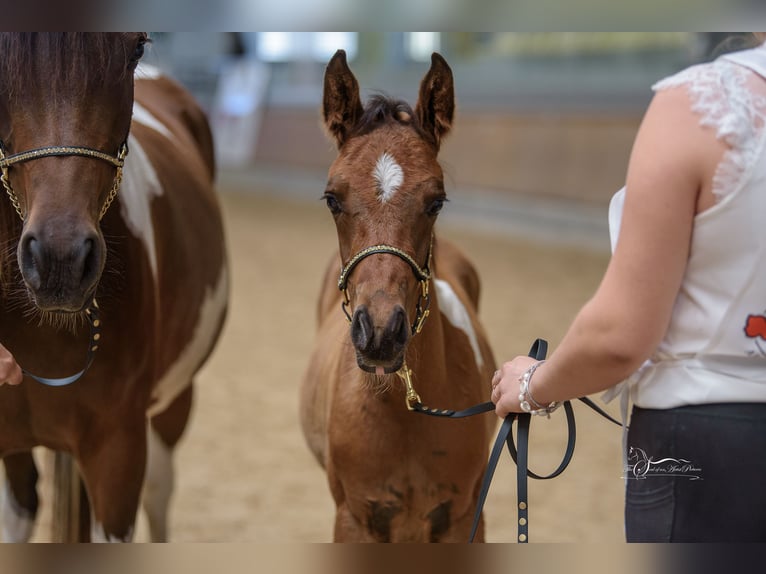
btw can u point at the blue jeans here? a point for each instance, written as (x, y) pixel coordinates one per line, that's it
(697, 474)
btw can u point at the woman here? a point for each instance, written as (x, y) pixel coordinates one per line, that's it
(680, 315)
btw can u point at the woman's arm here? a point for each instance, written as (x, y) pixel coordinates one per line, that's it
(669, 178)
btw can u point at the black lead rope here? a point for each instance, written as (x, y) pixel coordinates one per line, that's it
(538, 351)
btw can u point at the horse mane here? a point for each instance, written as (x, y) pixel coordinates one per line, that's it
(383, 110)
(68, 63)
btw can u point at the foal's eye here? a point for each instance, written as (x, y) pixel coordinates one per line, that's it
(436, 206)
(332, 203)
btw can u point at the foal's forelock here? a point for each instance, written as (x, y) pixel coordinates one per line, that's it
(382, 110)
(70, 63)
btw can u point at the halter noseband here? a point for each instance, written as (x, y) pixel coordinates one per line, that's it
(117, 161)
(423, 274)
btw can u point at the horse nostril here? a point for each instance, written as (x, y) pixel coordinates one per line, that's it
(399, 327)
(31, 258)
(88, 256)
(361, 328)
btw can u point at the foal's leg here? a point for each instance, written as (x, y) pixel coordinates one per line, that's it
(18, 500)
(112, 463)
(165, 431)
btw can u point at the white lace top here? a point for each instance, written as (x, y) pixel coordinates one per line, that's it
(730, 98)
(714, 349)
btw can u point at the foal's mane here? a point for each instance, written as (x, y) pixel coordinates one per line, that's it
(67, 62)
(383, 110)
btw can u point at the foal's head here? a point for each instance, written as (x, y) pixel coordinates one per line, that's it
(385, 187)
(63, 89)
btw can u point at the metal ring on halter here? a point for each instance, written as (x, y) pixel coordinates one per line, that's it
(117, 161)
(423, 274)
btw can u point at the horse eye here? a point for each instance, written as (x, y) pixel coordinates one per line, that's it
(332, 203)
(436, 206)
(138, 53)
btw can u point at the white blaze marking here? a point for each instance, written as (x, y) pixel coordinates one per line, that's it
(17, 523)
(180, 373)
(456, 313)
(389, 176)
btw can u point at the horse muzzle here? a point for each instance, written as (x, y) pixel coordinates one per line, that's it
(380, 349)
(61, 271)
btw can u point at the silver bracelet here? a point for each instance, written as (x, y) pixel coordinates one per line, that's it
(525, 396)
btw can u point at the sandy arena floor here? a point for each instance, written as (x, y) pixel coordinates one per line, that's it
(244, 472)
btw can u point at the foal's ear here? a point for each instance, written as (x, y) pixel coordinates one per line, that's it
(436, 100)
(341, 107)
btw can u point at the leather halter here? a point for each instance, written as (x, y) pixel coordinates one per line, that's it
(118, 161)
(423, 274)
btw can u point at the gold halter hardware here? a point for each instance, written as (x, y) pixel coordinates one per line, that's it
(412, 398)
(117, 161)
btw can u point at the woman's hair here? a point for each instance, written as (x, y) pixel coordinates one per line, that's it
(733, 42)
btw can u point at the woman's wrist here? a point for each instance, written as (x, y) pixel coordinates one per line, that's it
(528, 402)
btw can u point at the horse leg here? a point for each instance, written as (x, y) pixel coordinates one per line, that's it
(349, 529)
(18, 501)
(164, 433)
(112, 462)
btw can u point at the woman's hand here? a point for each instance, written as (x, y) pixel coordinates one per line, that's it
(505, 385)
(10, 372)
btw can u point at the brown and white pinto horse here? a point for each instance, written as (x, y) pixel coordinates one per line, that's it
(395, 476)
(156, 263)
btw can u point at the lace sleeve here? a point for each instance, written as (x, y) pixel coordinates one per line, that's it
(730, 99)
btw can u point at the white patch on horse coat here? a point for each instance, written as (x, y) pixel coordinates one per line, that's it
(147, 72)
(456, 313)
(180, 373)
(98, 534)
(17, 523)
(388, 175)
(139, 184)
(158, 485)
(146, 118)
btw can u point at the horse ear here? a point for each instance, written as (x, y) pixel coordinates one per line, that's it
(436, 99)
(342, 106)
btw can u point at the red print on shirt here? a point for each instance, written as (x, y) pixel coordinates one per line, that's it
(756, 326)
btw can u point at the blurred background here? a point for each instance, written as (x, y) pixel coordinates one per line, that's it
(544, 127)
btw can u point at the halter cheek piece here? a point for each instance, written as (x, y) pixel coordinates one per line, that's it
(118, 161)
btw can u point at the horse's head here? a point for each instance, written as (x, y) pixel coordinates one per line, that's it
(385, 189)
(64, 91)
